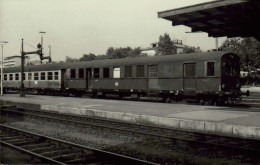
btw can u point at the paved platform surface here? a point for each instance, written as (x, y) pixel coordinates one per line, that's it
(240, 122)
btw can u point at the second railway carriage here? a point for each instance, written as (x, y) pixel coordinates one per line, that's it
(207, 77)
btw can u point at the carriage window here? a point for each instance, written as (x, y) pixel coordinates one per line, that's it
(88, 73)
(36, 76)
(81, 73)
(96, 72)
(73, 73)
(29, 76)
(210, 68)
(16, 76)
(105, 72)
(140, 71)
(11, 77)
(56, 75)
(50, 76)
(24, 77)
(152, 71)
(5, 76)
(43, 76)
(128, 71)
(116, 72)
(189, 70)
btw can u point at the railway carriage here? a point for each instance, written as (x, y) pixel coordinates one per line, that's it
(207, 77)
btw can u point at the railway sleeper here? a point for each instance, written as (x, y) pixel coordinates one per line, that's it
(23, 143)
(36, 145)
(86, 157)
(10, 138)
(43, 149)
(55, 152)
(239, 144)
(66, 157)
(19, 141)
(251, 146)
(88, 160)
(3, 135)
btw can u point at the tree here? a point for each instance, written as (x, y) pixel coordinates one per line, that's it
(165, 46)
(88, 57)
(110, 52)
(101, 57)
(115, 53)
(70, 59)
(191, 50)
(231, 45)
(248, 49)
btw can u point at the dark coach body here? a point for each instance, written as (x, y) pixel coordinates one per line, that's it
(208, 77)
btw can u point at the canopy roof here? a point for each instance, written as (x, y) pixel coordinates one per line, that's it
(231, 18)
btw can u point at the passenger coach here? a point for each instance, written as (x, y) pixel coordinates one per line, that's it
(211, 77)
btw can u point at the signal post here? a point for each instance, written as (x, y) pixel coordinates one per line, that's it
(39, 52)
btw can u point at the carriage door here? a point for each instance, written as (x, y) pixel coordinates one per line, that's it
(152, 77)
(189, 78)
(63, 78)
(88, 77)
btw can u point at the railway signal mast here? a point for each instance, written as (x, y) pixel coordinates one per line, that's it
(41, 56)
(40, 53)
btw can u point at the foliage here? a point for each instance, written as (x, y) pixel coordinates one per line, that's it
(191, 49)
(165, 46)
(248, 49)
(70, 59)
(251, 51)
(88, 57)
(114, 53)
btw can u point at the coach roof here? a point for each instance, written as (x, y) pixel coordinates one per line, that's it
(122, 61)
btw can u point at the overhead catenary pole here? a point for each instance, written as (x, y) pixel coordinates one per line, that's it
(50, 51)
(2, 66)
(39, 52)
(216, 40)
(42, 41)
(22, 72)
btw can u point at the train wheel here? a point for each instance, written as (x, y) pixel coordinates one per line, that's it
(103, 95)
(164, 99)
(231, 101)
(94, 95)
(138, 97)
(121, 96)
(37, 92)
(77, 94)
(202, 101)
(170, 100)
(213, 102)
(220, 102)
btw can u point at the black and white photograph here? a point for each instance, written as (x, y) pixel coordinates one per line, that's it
(119, 82)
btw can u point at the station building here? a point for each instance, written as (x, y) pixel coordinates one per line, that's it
(151, 50)
(13, 61)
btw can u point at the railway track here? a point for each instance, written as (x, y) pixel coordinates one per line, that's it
(54, 151)
(239, 145)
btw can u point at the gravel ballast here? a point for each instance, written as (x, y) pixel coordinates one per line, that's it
(126, 144)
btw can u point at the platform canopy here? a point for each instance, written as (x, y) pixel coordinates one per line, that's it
(231, 18)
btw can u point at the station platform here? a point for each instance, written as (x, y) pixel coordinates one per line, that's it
(229, 121)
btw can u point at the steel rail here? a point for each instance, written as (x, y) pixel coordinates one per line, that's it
(174, 134)
(75, 149)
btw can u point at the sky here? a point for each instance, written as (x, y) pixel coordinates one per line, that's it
(77, 27)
